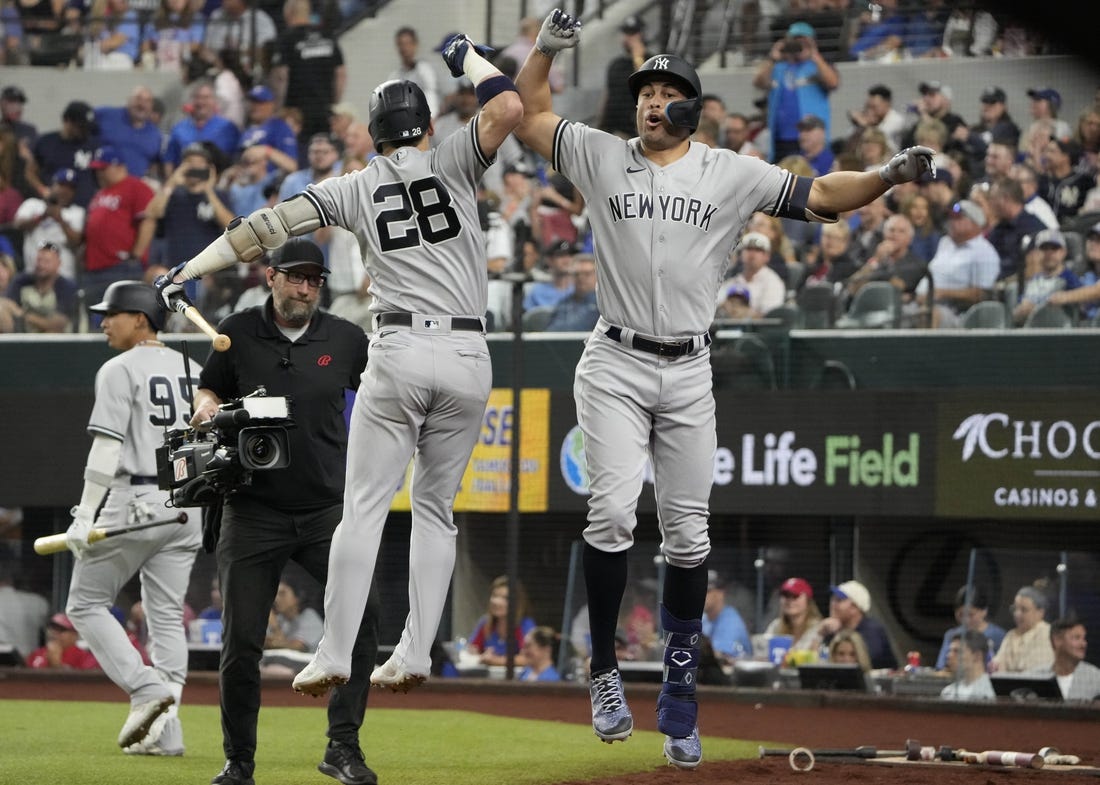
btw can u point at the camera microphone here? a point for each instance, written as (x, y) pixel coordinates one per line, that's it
(285, 362)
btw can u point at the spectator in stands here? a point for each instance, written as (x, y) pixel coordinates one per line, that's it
(798, 615)
(22, 613)
(11, 315)
(965, 267)
(830, 262)
(616, 112)
(194, 213)
(48, 299)
(522, 45)
(1045, 105)
(969, 32)
(735, 303)
(131, 131)
(873, 148)
(421, 72)
(813, 145)
(973, 617)
(848, 647)
(782, 249)
(267, 129)
(214, 609)
(1027, 645)
(1015, 227)
(463, 106)
(934, 104)
(925, 27)
(1064, 187)
(115, 38)
(231, 81)
(538, 651)
(247, 180)
(174, 35)
(1087, 296)
(737, 134)
(878, 112)
(1077, 679)
(1000, 156)
(559, 262)
(72, 147)
(358, 143)
(203, 124)
(1034, 204)
(61, 650)
(579, 310)
(798, 80)
(292, 625)
(766, 289)
(308, 71)
(12, 102)
(995, 123)
(941, 195)
(38, 21)
(115, 250)
(232, 26)
(489, 639)
(893, 260)
(879, 33)
(1087, 134)
(971, 680)
(926, 236)
(868, 224)
(849, 604)
(1052, 275)
(722, 624)
(323, 154)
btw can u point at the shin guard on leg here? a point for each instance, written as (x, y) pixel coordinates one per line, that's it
(676, 707)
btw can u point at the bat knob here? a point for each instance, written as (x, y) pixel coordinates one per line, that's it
(222, 343)
(182, 517)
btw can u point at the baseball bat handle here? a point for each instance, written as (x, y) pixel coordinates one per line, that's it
(221, 342)
(55, 543)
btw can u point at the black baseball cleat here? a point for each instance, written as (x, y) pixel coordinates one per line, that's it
(346, 763)
(234, 772)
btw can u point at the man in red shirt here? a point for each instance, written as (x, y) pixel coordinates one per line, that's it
(115, 249)
(61, 650)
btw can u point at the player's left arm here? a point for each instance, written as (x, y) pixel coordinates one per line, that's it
(839, 192)
(539, 126)
(501, 109)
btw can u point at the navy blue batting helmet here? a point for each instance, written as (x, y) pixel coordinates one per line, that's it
(398, 111)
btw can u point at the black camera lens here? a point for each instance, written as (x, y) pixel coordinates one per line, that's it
(262, 450)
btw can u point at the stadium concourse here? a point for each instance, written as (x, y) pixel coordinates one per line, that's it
(802, 719)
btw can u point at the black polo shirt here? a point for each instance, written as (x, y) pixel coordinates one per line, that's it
(313, 372)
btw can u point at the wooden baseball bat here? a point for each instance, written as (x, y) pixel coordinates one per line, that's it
(865, 751)
(220, 340)
(55, 543)
(1023, 760)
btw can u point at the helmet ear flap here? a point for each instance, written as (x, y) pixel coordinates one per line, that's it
(685, 113)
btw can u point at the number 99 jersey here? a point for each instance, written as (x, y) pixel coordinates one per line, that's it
(138, 395)
(415, 215)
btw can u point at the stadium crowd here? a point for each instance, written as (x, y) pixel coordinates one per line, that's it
(119, 192)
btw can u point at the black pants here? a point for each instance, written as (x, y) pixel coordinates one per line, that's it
(256, 543)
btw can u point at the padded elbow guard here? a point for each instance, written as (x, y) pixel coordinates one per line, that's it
(268, 228)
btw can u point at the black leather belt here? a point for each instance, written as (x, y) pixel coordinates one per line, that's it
(659, 348)
(401, 319)
(143, 479)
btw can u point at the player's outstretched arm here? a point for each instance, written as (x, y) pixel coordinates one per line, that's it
(244, 240)
(501, 109)
(839, 192)
(559, 31)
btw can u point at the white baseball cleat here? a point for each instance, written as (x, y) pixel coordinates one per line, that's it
(165, 738)
(394, 675)
(313, 680)
(141, 719)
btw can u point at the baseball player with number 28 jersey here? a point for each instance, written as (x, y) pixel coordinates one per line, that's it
(665, 212)
(428, 379)
(138, 394)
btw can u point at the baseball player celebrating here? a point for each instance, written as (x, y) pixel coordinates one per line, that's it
(138, 394)
(665, 213)
(425, 388)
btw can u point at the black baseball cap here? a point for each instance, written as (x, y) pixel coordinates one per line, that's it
(561, 248)
(993, 95)
(13, 93)
(301, 253)
(632, 24)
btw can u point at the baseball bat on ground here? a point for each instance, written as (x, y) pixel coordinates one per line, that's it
(1023, 760)
(220, 340)
(866, 751)
(55, 543)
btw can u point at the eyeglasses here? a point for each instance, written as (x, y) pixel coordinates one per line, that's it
(296, 278)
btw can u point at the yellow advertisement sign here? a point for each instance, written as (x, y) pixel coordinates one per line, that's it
(485, 484)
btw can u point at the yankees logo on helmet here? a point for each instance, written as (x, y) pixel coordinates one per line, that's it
(661, 62)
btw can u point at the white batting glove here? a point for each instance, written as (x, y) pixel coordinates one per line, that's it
(559, 31)
(76, 536)
(908, 165)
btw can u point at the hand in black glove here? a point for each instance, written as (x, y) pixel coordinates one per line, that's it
(169, 293)
(454, 52)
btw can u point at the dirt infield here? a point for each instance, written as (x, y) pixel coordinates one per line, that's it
(810, 720)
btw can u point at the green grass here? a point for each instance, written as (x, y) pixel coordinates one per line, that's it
(74, 743)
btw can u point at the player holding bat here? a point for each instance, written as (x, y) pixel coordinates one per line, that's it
(138, 394)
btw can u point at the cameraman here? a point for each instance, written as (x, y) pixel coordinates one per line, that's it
(798, 80)
(293, 349)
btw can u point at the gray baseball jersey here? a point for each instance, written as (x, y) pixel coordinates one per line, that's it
(138, 394)
(663, 234)
(427, 249)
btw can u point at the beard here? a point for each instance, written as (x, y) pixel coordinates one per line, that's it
(294, 312)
